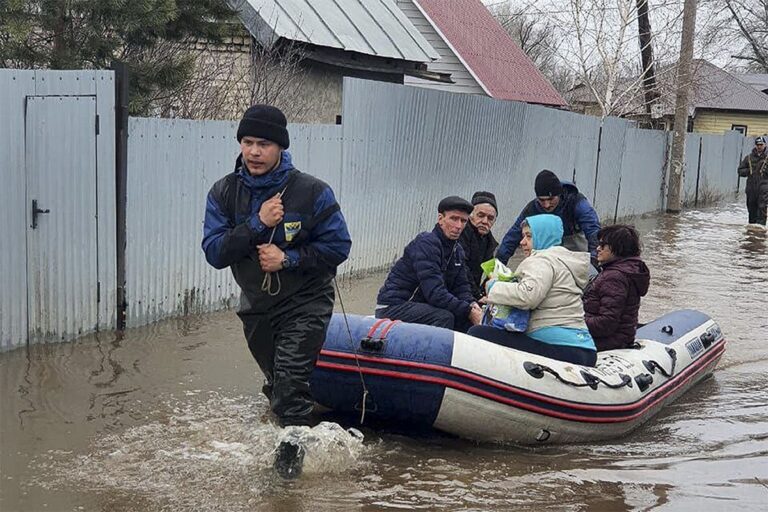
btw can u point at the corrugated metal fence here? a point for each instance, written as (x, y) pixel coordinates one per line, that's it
(57, 152)
(398, 151)
(172, 164)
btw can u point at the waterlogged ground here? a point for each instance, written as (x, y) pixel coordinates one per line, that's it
(168, 418)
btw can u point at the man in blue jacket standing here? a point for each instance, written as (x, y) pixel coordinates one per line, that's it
(561, 198)
(283, 235)
(429, 284)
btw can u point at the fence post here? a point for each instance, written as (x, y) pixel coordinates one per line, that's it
(121, 184)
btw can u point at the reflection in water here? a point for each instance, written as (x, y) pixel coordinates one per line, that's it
(23, 390)
(754, 242)
(168, 417)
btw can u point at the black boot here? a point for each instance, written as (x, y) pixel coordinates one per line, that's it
(289, 460)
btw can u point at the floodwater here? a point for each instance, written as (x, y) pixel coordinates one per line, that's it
(168, 417)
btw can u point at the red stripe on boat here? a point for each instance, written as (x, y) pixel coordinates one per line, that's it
(651, 399)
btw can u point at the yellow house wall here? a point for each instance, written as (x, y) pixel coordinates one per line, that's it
(719, 122)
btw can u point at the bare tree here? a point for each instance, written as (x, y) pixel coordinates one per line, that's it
(596, 41)
(229, 77)
(750, 18)
(608, 59)
(216, 84)
(537, 37)
(279, 77)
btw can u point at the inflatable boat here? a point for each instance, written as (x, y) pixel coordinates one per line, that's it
(432, 377)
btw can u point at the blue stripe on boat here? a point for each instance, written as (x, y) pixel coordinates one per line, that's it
(412, 402)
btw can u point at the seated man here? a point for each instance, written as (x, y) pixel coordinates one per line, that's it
(561, 198)
(429, 285)
(477, 240)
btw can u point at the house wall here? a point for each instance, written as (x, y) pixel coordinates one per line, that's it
(317, 98)
(223, 86)
(448, 63)
(719, 122)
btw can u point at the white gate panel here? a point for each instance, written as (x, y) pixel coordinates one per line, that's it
(62, 262)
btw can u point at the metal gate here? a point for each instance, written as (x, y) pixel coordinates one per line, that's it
(62, 262)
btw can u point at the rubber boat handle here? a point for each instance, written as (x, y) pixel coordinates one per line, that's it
(644, 381)
(707, 339)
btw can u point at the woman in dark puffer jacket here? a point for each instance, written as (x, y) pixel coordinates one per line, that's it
(612, 300)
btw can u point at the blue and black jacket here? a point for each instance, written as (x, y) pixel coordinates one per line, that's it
(577, 215)
(313, 233)
(432, 271)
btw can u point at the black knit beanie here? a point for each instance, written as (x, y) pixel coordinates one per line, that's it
(547, 184)
(481, 197)
(264, 122)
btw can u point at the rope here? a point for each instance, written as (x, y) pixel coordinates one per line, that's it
(589, 380)
(266, 283)
(354, 350)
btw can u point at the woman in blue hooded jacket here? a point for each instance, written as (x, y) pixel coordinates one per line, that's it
(551, 280)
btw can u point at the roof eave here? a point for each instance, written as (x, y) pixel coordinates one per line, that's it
(365, 62)
(265, 34)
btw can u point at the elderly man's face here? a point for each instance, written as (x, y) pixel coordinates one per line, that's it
(483, 217)
(452, 223)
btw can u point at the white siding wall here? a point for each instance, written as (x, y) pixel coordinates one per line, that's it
(448, 63)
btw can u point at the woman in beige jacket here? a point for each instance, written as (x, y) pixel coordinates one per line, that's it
(551, 282)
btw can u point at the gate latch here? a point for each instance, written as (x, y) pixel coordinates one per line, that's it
(37, 211)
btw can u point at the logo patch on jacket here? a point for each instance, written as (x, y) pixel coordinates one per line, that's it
(291, 230)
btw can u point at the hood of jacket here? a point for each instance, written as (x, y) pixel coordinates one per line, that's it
(636, 271)
(546, 230)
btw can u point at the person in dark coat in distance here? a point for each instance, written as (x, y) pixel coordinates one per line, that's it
(561, 198)
(612, 300)
(282, 234)
(428, 284)
(477, 240)
(754, 167)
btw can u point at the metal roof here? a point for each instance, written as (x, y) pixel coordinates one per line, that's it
(371, 27)
(499, 65)
(713, 88)
(757, 80)
(718, 89)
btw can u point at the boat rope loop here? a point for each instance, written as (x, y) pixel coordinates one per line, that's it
(537, 371)
(354, 351)
(652, 366)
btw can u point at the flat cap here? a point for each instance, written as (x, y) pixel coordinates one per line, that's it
(455, 203)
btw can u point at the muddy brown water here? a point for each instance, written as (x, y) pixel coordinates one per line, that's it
(168, 417)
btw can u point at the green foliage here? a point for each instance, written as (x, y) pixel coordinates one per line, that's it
(75, 34)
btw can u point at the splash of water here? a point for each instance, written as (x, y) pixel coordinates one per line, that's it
(328, 446)
(187, 458)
